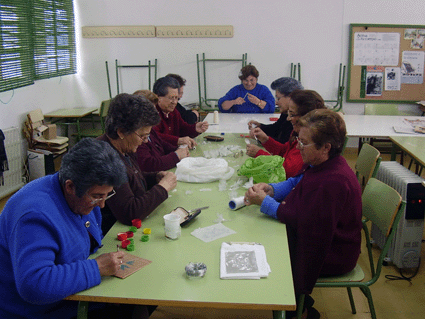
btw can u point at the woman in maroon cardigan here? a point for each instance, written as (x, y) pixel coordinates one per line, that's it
(157, 154)
(300, 103)
(128, 124)
(321, 206)
(172, 128)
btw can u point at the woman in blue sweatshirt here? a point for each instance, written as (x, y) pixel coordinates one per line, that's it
(249, 96)
(50, 227)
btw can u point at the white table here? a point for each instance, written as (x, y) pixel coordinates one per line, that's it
(357, 125)
(237, 122)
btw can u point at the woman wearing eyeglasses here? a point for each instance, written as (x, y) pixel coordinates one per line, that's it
(249, 96)
(158, 154)
(128, 125)
(50, 227)
(172, 128)
(300, 103)
(321, 205)
(281, 129)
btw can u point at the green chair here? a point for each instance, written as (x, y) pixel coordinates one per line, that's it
(367, 164)
(384, 145)
(95, 132)
(383, 206)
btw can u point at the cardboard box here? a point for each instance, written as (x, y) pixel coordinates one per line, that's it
(50, 133)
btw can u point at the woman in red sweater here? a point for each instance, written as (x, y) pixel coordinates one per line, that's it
(301, 102)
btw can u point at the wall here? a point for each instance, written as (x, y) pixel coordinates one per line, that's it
(273, 33)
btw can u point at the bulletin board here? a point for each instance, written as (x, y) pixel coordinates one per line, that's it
(386, 63)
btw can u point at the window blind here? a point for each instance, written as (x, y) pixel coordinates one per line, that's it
(54, 40)
(16, 68)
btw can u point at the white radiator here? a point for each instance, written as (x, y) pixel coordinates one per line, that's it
(13, 176)
(405, 250)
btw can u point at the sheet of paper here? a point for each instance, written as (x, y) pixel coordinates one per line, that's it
(210, 233)
(131, 264)
(243, 261)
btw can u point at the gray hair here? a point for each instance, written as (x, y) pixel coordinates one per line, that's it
(162, 85)
(286, 85)
(92, 162)
(129, 113)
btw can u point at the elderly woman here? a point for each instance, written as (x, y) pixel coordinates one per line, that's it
(157, 154)
(172, 128)
(300, 103)
(249, 96)
(128, 124)
(281, 129)
(49, 228)
(189, 116)
(321, 206)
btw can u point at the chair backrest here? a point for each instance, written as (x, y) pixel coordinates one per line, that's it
(35, 118)
(381, 109)
(367, 163)
(380, 204)
(103, 111)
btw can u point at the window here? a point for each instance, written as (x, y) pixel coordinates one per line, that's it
(37, 41)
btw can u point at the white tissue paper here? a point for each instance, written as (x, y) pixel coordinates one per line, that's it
(243, 261)
(203, 170)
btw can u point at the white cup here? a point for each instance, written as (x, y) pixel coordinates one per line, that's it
(172, 226)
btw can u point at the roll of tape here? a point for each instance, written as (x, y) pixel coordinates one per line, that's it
(236, 203)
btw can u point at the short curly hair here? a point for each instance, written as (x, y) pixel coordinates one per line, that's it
(129, 113)
(327, 126)
(147, 94)
(248, 70)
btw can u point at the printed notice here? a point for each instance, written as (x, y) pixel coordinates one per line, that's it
(412, 67)
(376, 48)
(374, 80)
(392, 79)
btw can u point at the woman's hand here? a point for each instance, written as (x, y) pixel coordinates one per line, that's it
(190, 142)
(252, 150)
(253, 124)
(255, 100)
(238, 101)
(182, 153)
(168, 181)
(109, 263)
(201, 127)
(258, 134)
(257, 193)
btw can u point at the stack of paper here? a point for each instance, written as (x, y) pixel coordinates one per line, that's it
(243, 261)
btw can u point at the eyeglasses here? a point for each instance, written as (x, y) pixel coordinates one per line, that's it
(302, 145)
(171, 99)
(144, 137)
(94, 201)
(290, 115)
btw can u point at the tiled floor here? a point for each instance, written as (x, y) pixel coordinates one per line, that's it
(393, 299)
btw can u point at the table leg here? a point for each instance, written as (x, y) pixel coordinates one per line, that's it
(393, 152)
(83, 308)
(279, 314)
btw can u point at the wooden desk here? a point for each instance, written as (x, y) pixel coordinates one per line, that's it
(412, 145)
(164, 282)
(71, 116)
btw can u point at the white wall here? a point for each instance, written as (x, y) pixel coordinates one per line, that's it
(274, 33)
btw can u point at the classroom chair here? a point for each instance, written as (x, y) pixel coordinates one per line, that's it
(367, 164)
(383, 206)
(95, 132)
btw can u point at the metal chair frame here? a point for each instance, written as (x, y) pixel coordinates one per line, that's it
(149, 66)
(203, 100)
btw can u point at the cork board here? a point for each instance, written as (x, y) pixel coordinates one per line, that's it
(386, 63)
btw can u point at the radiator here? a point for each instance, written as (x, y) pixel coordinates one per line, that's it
(13, 176)
(405, 250)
